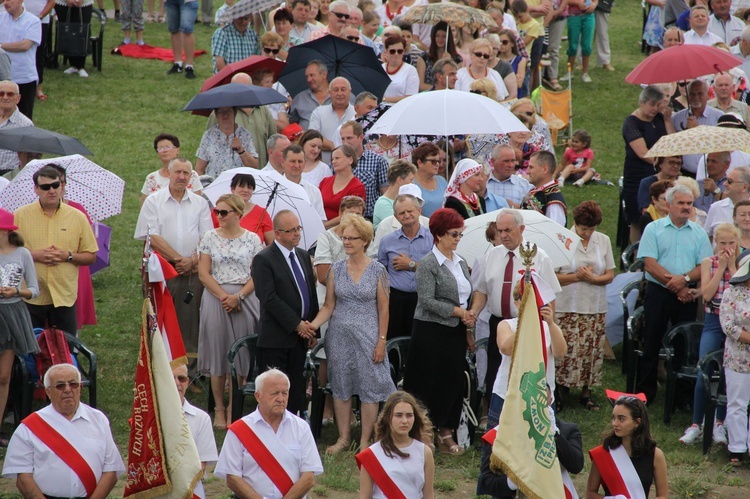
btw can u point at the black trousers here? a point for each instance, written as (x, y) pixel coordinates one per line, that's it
(661, 308)
(401, 306)
(43, 316)
(291, 361)
(28, 94)
(493, 356)
(75, 17)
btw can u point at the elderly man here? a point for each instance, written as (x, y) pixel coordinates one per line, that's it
(723, 24)
(492, 202)
(328, 118)
(285, 286)
(712, 187)
(174, 219)
(60, 240)
(20, 35)
(271, 452)
(293, 164)
(10, 117)
(742, 49)
(699, 33)
(338, 18)
(65, 449)
(738, 158)
(445, 74)
(503, 180)
(545, 197)
(364, 102)
(697, 113)
(181, 15)
(305, 102)
(399, 252)
(737, 188)
(276, 144)
(672, 249)
(234, 42)
(197, 419)
(724, 89)
(302, 28)
(498, 274)
(371, 170)
(391, 224)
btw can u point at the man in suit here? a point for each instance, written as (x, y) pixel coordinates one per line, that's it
(285, 286)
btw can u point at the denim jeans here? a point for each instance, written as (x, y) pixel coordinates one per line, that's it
(712, 339)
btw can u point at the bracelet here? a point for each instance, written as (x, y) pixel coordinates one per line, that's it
(241, 152)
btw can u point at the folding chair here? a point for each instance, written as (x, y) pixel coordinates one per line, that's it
(557, 111)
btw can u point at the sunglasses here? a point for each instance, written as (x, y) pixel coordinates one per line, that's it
(72, 384)
(46, 187)
(482, 55)
(293, 230)
(222, 213)
(476, 92)
(505, 42)
(341, 15)
(529, 113)
(395, 51)
(434, 161)
(271, 51)
(182, 378)
(353, 38)
(455, 234)
(8, 94)
(164, 149)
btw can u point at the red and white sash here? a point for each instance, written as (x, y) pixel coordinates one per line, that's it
(388, 473)
(570, 489)
(617, 472)
(60, 444)
(280, 467)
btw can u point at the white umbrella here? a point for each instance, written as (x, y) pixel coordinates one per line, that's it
(447, 112)
(558, 242)
(274, 193)
(99, 190)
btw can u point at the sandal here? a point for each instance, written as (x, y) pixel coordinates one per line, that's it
(451, 448)
(735, 458)
(341, 445)
(41, 96)
(588, 403)
(220, 418)
(555, 85)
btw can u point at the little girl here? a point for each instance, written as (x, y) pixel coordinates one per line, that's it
(578, 160)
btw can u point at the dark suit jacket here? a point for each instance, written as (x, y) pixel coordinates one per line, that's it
(280, 303)
(569, 450)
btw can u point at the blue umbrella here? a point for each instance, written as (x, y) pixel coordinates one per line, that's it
(234, 95)
(357, 63)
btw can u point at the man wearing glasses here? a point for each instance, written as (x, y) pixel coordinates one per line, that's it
(737, 189)
(285, 286)
(65, 449)
(234, 42)
(338, 18)
(60, 239)
(10, 117)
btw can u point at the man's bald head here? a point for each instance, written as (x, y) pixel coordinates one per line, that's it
(242, 79)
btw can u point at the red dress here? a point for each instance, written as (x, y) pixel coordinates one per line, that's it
(85, 310)
(258, 221)
(331, 201)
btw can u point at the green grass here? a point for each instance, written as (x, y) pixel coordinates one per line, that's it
(117, 113)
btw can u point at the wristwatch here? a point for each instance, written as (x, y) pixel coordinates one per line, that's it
(717, 192)
(687, 278)
(241, 295)
(412, 264)
(70, 257)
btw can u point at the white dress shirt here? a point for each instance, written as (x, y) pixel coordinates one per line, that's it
(720, 212)
(203, 433)
(454, 265)
(708, 38)
(326, 120)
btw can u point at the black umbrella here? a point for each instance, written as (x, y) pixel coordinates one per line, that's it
(357, 63)
(234, 95)
(33, 139)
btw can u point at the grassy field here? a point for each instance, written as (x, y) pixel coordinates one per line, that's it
(117, 112)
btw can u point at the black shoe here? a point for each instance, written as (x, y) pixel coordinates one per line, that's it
(189, 73)
(176, 68)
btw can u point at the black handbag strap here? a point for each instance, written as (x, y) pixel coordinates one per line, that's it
(80, 15)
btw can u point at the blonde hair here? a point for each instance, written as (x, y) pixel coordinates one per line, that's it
(690, 183)
(481, 42)
(486, 86)
(362, 227)
(728, 229)
(233, 201)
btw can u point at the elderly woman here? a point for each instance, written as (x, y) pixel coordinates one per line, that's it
(510, 54)
(254, 218)
(734, 314)
(229, 308)
(581, 306)
(741, 219)
(666, 169)
(641, 130)
(225, 146)
(167, 147)
(315, 170)
(404, 77)
(481, 54)
(401, 172)
(658, 207)
(426, 157)
(541, 137)
(341, 184)
(434, 369)
(357, 305)
(461, 194)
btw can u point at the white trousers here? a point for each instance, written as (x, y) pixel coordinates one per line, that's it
(601, 38)
(556, 30)
(738, 398)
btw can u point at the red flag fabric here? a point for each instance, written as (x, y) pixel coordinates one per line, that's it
(148, 52)
(160, 271)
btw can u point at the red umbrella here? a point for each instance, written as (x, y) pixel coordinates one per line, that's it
(249, 65)
(682, 62)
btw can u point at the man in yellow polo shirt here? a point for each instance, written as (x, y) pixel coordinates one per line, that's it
(60, 239)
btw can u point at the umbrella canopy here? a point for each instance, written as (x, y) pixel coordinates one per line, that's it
(245, 8)
(558, 242)
(33, 139)
(682, 62)
(454, 14)
(234, 95)
(357, 63)
(702, 139)
(248, 65)
(103, 239)
(274, 193)
(98, 190)
(447, 112)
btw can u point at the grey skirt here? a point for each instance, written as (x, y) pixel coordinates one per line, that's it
(219, 330)
(16, 331)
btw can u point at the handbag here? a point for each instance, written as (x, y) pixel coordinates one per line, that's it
(73, 37)
(468, 420)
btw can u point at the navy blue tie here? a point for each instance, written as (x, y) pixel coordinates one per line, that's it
(302, 285)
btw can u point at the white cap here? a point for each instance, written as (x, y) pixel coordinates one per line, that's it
(411, 189)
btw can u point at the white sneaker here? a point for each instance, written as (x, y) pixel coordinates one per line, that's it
(82, 73)
(586, 78)
(720, 434)
(71, 71)
(578, 183)
(692, 435)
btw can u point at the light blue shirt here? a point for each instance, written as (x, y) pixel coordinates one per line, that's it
(397, 243)
(433, 200)
(710, 117)
(493, 202)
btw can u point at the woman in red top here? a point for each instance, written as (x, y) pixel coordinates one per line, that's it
(342, 183)
(255, 218)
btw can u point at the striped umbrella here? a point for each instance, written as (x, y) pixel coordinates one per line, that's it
(247, 7)
(452, 13)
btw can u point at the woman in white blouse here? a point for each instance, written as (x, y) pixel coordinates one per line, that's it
(480, 56)
(404, 77)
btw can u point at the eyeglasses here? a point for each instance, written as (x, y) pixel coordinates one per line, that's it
(395, 51)
(482, 55)
(46, 187)
(529, 113)
(341, 15)
(222, 213)
(352, 38)
(674, 162)
(476, 92)
(347, 239)
(455, 234)
(434, 161)
(165, 148)
(62, 385)
(293, 230)
(730, 181)
(505, 42)
(182, 378)
(271, 51)
(7, 94)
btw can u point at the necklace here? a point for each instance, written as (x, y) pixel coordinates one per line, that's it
(471, 73)
(396, 71)
(382, 143)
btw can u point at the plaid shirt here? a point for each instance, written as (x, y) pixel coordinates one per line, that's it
(372, 171)
(712, 307)
(514, 188)
(233, 46)
(9, 159)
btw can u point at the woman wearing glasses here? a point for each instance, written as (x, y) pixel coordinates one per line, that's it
(254, 218)
(509, 53)
(404, 77)
(357, 305)
(480, 56)
(341, 184)
(167, 147)
(426, 157)
(628, 462)
(461, 194)
(271, 46)
(229, 308)
(434, 369)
